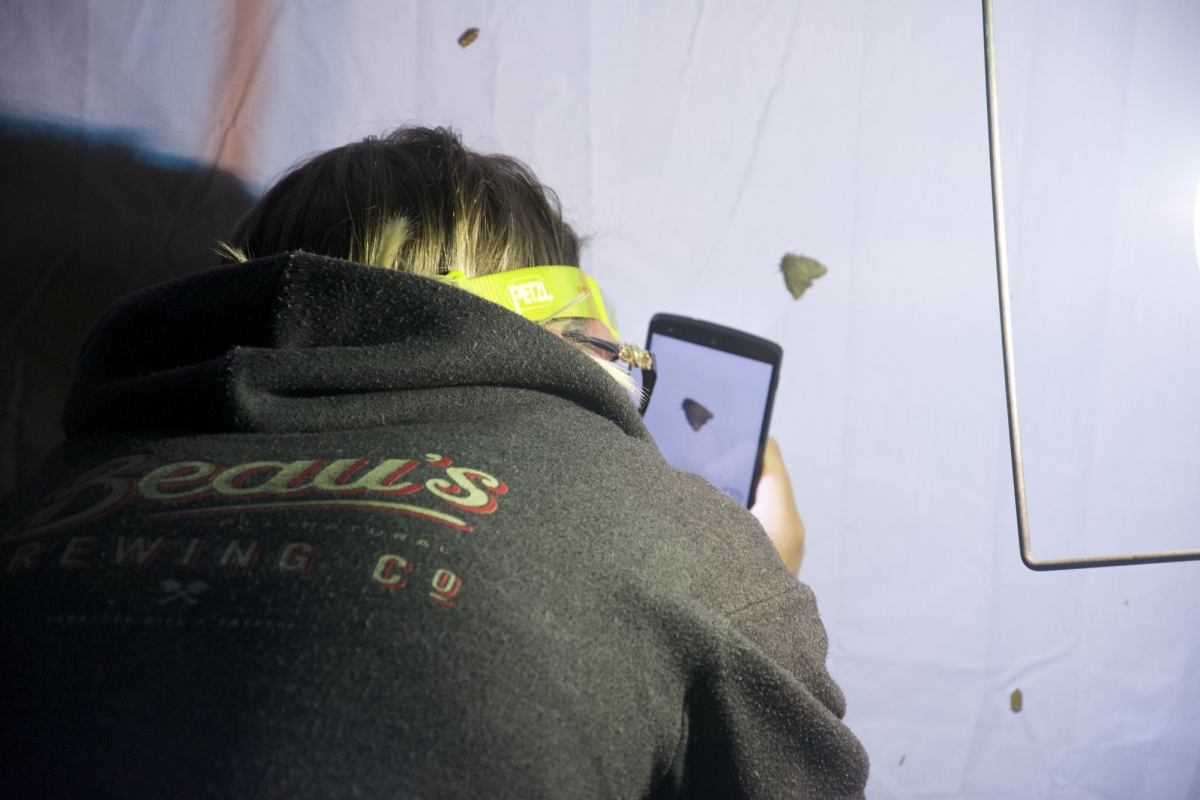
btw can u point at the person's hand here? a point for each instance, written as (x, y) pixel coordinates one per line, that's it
(775, 508)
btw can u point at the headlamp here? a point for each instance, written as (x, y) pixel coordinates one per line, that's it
(540, 294)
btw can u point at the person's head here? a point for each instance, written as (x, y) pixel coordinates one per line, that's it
(415, 200)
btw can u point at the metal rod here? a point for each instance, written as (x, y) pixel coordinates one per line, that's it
(1010, 372)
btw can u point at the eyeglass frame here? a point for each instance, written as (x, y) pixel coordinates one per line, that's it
(630, 354)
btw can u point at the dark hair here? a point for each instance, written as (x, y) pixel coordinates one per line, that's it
(415, 200)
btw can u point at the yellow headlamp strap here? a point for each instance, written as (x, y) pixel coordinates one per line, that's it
(540, 293)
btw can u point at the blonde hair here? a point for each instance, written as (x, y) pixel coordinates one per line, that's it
(416, 200)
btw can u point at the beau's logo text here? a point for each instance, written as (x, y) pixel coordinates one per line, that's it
(201, 488)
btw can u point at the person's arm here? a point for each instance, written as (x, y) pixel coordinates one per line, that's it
(775, 508)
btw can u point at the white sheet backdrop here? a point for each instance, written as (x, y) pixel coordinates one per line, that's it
(696, 142)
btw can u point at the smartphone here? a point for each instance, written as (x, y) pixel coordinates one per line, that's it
(711, 405)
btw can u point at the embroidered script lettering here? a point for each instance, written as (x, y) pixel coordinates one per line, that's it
(200, 488)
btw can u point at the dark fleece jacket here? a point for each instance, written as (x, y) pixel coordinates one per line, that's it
(327, 530)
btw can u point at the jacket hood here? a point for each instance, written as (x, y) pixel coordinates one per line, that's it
(298, 342)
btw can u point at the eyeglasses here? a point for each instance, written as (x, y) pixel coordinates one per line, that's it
(625, 353)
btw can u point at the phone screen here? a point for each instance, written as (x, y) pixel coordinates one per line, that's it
(707, 411)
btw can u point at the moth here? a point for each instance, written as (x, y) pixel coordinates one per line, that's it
(696, 414)
(799, 272)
